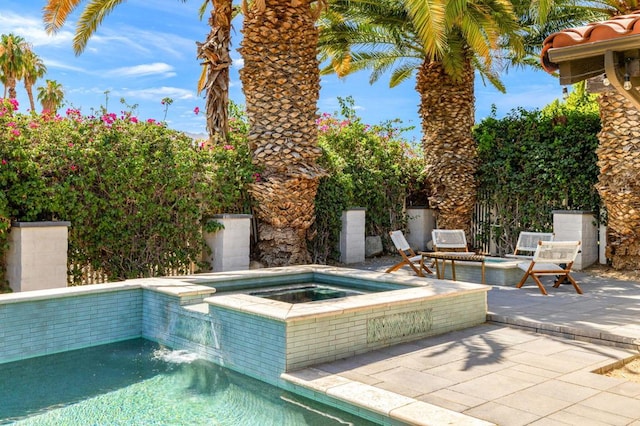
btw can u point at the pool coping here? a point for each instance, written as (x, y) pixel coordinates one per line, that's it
(421, 288)
(389, 404)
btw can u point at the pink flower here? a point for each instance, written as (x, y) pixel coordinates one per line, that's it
(73, 167)
(70, 145)
(133, 119)
(34, 125)
(257, 177)
(4, 162)
(196, 110)
(228, 147)
(16, 132)
(150, 120)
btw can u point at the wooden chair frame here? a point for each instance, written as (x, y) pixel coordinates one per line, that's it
(548, 260)
(409, 257)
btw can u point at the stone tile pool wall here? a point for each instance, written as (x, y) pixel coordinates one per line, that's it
(498, 271)
(325, 331)
(50, 321)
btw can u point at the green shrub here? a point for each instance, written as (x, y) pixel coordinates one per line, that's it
(534, 162)
(136, 193)
(368, 166)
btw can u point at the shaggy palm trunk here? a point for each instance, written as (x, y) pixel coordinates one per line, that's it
(28, 86)
(11, 85)
(214, 52)
(619, 180)
(49, 107)
(446, 110)
(281, 83)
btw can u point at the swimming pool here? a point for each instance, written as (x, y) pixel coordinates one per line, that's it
(138, 382)
(256, 337)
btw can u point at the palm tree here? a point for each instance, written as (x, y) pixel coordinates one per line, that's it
(617, 150)
(445, 42)
(12, 52)
(214, 52)
(540, 20)
(51, 97)
(33, 68)
(281, 83)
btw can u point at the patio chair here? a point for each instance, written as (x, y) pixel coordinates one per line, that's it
(449, 240)
(409, 257)
(552, 258)
(528, 243)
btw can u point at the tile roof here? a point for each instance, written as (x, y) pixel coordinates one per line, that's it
(619, 26)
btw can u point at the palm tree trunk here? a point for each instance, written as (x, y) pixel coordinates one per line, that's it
(215, 53)
(281, 83)
(28, 86)
(11, 84)
(619, 179)
(447, 113)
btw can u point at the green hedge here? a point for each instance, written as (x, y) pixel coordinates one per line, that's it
(533, 162)
(136, 193)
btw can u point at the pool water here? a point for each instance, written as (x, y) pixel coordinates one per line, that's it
(305, 293)
(137, 382)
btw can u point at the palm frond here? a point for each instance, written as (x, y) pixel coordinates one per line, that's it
(428, 17)
(90, 19)
(55, 13)
(402, 73)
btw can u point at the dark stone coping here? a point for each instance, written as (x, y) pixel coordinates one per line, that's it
(41, 224)
(572, 212)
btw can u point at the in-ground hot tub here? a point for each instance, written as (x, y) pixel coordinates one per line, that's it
(304, 293)
(497, 270)
(259, 335)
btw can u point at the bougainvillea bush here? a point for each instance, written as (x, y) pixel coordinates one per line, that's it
(368, 166)
(136, 192)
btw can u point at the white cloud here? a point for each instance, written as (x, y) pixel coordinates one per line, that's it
(156, 93)
(52, 63)
(156, 68)
(237, 63)
(147, 43)
(32, 30)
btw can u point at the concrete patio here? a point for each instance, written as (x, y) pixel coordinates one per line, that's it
(532, 363)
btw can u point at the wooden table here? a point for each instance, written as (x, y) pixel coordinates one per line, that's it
(453, 257)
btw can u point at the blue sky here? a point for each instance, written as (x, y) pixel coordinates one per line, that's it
(145, 51)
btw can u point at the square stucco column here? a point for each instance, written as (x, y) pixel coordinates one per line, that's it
(231, 246)
(37, 255)
(352, 241)
(420, 223)
(578, 225)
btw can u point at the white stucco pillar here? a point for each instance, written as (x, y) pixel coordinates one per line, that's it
(352, 238)
(578, 225)
(231, 246)
(420, 223)
(37, 255)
